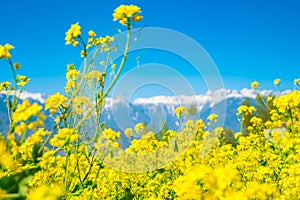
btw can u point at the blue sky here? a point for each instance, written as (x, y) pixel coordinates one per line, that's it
(248, 40)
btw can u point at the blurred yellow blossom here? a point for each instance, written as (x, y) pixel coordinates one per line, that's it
(246, 110)
(180, 111)
(4, 85)
(22, 80)
(128, 132)
(17, 65)
(25, 111)
(255, 85)
(213, 117)
(111, 134)
(92, 33)
(277, 81)
(53, 192)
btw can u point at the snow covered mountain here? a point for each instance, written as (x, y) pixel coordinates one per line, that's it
(120, 113)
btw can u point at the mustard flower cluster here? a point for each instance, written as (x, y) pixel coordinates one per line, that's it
(22, 80)
(73, 33)
(124, 13)
(72, 76)
(56, 101)
(111, 134)
(63, 136)
(4, 51)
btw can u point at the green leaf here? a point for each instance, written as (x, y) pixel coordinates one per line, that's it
(162, 170)
(103, 125)
(128, 195)
(77, 190)
(23, 185)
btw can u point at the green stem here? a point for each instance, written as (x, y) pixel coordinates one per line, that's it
(101, 93)
(113, 82)
(241, 126)
(91, 164)
(66, 173)
(11, 196)
(47, 140)
(13, 72)
(8, 110)
(11, 107)
(24, 135)
(121, 65)
(263, 100)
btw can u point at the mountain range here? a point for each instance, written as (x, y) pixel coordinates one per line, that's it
(119, 113)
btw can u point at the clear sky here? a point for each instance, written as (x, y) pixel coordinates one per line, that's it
(247, 39)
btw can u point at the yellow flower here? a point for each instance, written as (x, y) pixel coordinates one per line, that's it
(71, 66)
(128, 132)
(268, 124)
(22, 80)
(94, 75)
(21, 128)
(4, 51)
(137, 18)
(92, 33)
(53, 192)
(168, 135)
(297, 81)
(57, 119)
(75, 43)
(72, 74)
(74, 137)
(285, 102)
(256, 121)
(180, 111)
(237, 135)
(63, 135)
(277, 81)
(245, 110)
(255, 85)
(270, 98)
(72, 34)
(124, 12)
(80, 104)
(17, 65)
(111, 134)
(6, 159)
(104, 41)
(213, 117)
(55, 101)
(139, 128)
(25, 111)
(4, 85)
(83, 53)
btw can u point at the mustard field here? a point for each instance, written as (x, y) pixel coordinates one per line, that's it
(81, 158)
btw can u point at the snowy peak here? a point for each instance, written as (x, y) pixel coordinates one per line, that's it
(41, 98)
